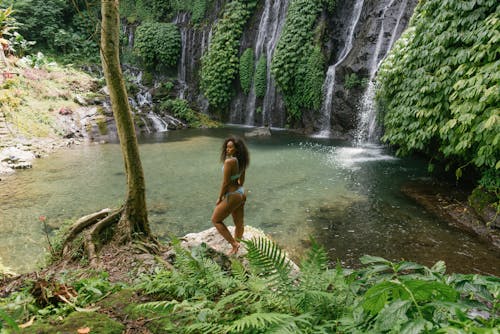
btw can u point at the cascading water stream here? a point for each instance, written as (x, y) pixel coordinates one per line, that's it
(329, 84)
(181, 20)
(367, 126)
(270, 27)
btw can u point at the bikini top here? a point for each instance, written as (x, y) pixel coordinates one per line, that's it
(235, 176)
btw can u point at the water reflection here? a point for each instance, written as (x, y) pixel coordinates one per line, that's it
(346, 197)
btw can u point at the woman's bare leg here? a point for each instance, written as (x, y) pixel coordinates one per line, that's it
(238, 219)
(221, 211)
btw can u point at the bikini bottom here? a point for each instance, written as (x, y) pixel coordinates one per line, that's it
(240, 191)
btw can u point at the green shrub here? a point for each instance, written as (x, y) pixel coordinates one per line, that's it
(220, 62)
(314, 78)
(293, 51)
(146, 10)
(352, 80)
(180, 109)
(439, 85)
(261, 77)
(246, 70)
(199, 296)
(158, 44)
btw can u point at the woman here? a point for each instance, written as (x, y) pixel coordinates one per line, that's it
(232, 196)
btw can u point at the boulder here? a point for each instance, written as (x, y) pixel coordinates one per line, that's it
(259, 132)
(15, 158)
(218, 245)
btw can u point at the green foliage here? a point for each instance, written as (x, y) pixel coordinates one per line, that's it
(220, 62)
(180, 109)
(20, 306)
(19, 45)
(439, 85)
(146, 10)
(197, 8)
(9, 322)
(246, 70)
(158, 44)
(60, 26)
(314, 77)
(261, 77)
(406, 297)
(199, 296)
(352, 80)
(7, 20)
(296, 57)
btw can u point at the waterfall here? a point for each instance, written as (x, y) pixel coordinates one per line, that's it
(271, 24)
(329, 84)
(182, 20)
(367, 126)
(158, 123)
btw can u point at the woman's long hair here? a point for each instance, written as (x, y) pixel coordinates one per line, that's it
(241, 151)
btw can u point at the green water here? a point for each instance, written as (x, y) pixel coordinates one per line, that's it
(346, 197)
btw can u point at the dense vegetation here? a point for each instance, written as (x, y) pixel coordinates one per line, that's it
(439, 87)
(246, 70)
(261, 77)
(297, 66)
(59, 27)
(200, 296)
(221, 62)
(158, 44)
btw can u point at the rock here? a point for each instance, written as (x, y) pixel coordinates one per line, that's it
(215, 242)
(16, 158)
(80, 100)
(259, 132)
(65, 111)
(482, 203)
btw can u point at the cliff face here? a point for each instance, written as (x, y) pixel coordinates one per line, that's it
(354, 40)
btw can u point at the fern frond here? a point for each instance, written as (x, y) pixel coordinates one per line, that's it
(299, 324)
(203, 327)
(269, 260)
(238, 271)
(314, 301)
(166, 306)
(316, 258)
(239, 298)
(259, 321)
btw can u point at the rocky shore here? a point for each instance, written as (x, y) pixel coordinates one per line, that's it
(458, 208)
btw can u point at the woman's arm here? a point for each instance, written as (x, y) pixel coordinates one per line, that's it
(226, 179)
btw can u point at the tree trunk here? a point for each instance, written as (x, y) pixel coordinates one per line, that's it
(134, 219)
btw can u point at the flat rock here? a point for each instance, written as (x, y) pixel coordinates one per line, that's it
(216, 242)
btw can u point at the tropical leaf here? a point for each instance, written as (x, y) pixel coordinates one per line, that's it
(269, 260)
(259, 321)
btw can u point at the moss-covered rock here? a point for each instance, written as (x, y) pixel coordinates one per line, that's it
(483, 203)
(97, 322)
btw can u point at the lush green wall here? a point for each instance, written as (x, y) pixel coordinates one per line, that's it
(439, 87)
(220, 65)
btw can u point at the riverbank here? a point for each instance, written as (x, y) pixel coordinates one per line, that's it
(453, 205)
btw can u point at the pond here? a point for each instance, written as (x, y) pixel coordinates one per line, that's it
(344, 196)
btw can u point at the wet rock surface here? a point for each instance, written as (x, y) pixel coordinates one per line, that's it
(451, 205)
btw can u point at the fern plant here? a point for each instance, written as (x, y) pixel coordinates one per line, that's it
(266, 297)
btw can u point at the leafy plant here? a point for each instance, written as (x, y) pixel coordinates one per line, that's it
(261, 77)
(439, 86)
(352, 80)
(246, 70)
(19, 45)
(220, 62)
(158, 43)
(180, 109)
(297, 64)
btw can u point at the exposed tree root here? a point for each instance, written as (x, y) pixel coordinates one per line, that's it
(90, 227)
